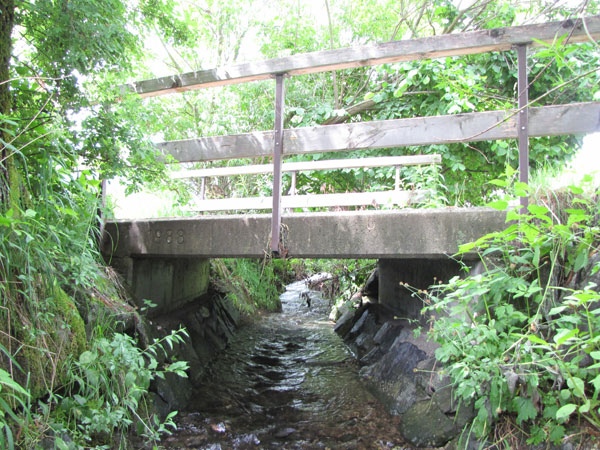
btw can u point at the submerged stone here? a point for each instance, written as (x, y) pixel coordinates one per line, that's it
(424, 425)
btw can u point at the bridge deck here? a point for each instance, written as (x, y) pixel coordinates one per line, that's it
(403, 233)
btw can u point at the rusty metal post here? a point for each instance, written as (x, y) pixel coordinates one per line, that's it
(277, 155)
(523, 121)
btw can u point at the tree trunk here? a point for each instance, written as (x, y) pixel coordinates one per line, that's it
(7, 16)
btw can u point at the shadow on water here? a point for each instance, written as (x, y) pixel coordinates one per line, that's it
(285, 381)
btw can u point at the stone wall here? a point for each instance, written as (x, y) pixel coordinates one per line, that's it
(399, 364)
(210, 322)
(174, 293)
(400, 369)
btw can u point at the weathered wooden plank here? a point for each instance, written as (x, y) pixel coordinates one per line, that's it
(576, 118)
(326, 164)
(401, 198)
(498, 39)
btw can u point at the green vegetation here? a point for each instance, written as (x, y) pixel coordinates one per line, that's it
(520, 340)
(57, 139)
(251, 284)
(100, 406)
(559, 74)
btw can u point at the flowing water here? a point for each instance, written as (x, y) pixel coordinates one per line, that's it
(286, 381)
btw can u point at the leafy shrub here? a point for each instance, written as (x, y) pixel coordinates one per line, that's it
(522, 337)
(110, 382)
(12, 395)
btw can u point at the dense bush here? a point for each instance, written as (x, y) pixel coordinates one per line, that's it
(521, 340)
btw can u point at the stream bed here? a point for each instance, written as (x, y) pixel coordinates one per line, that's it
(286, 380)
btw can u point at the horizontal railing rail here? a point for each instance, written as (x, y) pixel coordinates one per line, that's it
(396, 197)
(468, 43)
(574, 118)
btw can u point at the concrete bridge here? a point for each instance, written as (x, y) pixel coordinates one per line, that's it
(404, 233)
(166, 260)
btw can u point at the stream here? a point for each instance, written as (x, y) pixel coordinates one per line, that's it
(286, 380)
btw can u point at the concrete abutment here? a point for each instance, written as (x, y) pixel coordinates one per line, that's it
(399, 279)
(168, 283)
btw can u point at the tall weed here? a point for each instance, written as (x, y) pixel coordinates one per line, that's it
(109, 385)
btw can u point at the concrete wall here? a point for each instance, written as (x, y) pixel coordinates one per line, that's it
(418, 273)
(170, 283)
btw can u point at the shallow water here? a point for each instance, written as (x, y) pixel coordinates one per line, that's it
(285, 381)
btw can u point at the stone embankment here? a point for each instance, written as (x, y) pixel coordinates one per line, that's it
(210, 322)
(400, 369)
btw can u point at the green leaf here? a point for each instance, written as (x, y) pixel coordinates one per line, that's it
(500, 205)
(465, 248)
(596, 383)
(557, 433)
(575, 189)
(524, 408)
(581, 260)
(564, 335)
(564, 412)
(537, 210)
(595, 355)
(522, 189)
(577, 386)
(556, 310)
(500, 183)
(87, 357)
(536, 339)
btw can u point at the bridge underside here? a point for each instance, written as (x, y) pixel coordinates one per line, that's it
(393, 234)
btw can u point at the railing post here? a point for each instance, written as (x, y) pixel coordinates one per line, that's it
(277, 155)
(203, 188)
(293, 185)
(523, 122)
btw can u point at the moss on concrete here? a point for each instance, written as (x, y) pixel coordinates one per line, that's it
(48, 341)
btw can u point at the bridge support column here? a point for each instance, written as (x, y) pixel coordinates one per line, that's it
(417, 273)
(167, 283)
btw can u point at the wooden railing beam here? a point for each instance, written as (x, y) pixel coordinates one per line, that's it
(303, 166)
(576, 118)
(497, 39)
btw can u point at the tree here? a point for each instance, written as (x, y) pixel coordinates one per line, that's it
(59, 61)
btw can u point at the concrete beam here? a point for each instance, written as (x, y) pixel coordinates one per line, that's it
(404, 233)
